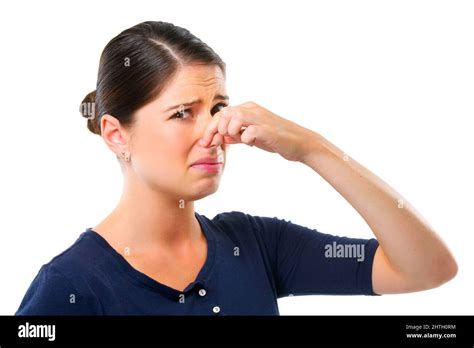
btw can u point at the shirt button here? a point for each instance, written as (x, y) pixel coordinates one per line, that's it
(216, 309)
(202, 292)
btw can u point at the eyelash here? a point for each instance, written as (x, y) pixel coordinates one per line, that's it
(177, 113)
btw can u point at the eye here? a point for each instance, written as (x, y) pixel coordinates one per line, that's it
(220, 104)
(179, 114)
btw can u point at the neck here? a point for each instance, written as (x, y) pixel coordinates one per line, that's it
(146, 219)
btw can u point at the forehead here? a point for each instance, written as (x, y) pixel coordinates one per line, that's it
(193, 79)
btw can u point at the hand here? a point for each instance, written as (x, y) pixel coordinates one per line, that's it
(252, 124)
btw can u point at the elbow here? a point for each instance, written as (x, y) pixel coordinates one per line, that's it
(443, 274)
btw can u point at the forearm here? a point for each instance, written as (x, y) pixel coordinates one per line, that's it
(411, 246)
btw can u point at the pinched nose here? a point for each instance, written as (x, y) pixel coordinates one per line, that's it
(216, 139)
(202, 125)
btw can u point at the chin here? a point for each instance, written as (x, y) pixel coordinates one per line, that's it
(203, 191)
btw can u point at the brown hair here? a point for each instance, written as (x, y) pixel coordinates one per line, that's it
(136, 65)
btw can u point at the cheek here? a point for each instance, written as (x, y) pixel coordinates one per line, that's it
(163, 148)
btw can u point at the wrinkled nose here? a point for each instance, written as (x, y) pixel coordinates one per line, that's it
(203, 125)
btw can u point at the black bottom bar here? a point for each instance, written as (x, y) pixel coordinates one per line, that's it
(451, 331)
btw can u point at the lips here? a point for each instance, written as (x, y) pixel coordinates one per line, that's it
(207, 160)
(209, 165)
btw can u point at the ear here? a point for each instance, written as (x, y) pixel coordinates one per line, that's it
(113, 134)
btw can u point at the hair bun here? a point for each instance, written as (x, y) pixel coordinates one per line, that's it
(88, 110)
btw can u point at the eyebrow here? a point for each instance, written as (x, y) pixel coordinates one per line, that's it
(195, 101)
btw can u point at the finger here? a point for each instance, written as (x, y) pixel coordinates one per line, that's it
(237, 116)
(217, 139)
(219, 122)
(250, 135)
(234, 126)
(210, 130)
(224, 121)
(234, 139)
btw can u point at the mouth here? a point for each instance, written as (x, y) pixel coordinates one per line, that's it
(208, 167)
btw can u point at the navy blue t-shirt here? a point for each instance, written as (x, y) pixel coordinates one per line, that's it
(251, 261)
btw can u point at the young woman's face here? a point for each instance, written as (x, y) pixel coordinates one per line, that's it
(165, 137)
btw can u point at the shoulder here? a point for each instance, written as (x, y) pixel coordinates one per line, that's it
(54, 293)
(61, 285)
(248, 228)
(254, 222)
(79, 259)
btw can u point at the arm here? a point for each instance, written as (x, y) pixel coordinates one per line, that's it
(411, 257)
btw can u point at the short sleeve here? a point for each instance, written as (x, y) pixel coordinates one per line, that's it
(308, 262)
(52, 293)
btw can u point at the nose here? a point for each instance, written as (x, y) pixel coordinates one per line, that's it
(203, 126)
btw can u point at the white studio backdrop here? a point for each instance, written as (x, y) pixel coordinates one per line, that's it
(391, 83)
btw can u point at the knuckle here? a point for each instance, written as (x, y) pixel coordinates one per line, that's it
(238, 115)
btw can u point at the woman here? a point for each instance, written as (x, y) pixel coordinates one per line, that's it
(161, 106)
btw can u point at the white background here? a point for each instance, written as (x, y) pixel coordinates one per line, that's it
(391, 83)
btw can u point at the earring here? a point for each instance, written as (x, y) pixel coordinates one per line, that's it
(126, 156)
